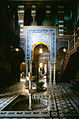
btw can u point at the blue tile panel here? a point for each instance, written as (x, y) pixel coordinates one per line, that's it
(47, 36)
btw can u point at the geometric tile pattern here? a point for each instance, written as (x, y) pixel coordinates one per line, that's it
(64, 104)
(43, 35)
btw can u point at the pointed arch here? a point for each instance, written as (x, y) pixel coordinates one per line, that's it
(39, 43)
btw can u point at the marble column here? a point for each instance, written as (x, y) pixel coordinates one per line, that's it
(30, 95)
(30, 101)
(30, 65)
(48, 71)
(30, 83)
(54, 72)
(45, 68)
(26, 68)
(50, 80)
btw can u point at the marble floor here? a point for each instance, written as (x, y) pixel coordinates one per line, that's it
(61, 101)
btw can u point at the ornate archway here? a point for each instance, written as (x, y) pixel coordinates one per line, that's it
(35, 35)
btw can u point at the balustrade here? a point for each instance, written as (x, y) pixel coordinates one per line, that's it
(73, 44)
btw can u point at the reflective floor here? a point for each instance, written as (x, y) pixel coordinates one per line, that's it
(58, 102)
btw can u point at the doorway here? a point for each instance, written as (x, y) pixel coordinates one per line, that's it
(40, 57)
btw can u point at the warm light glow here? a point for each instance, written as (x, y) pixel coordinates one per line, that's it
(17, 49)
(23, 63)
(41, 65)
(64, 49)
(40, 50)
(39, 43)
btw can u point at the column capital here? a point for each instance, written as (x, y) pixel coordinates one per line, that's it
(26, 61)
(30, 61)
(52, 61)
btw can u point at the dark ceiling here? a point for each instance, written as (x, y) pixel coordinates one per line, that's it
(42, 0)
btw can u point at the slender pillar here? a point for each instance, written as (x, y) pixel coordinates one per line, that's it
(50, 80)
(33, 20)
(54, 72)
(30, 88)
(48, 71)
(33, 13)
(26, 68)
(30, 101)
(30, 85)
(30, 63)
(39, 69)
(45, 68)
